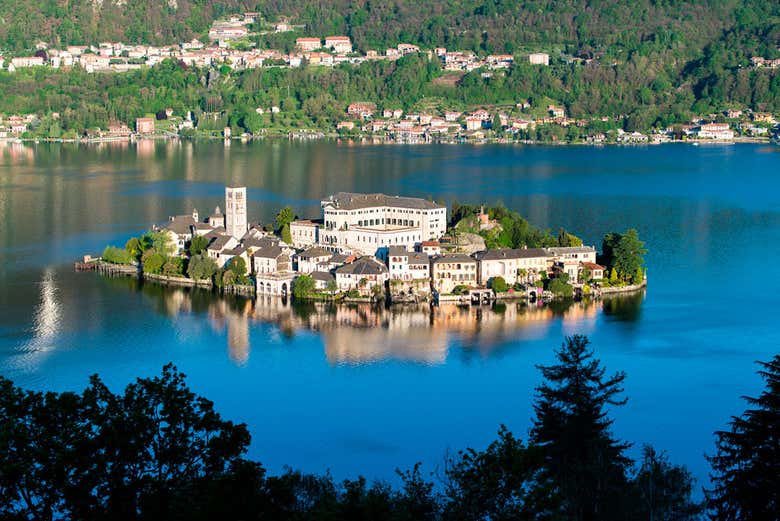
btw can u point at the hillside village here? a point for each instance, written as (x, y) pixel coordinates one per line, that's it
(364, 246)
(228, 45)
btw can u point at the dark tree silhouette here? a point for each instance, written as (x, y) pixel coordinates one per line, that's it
(582, 457)
(746, 466)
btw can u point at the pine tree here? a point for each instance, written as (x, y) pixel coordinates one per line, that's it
(746, 468)
(583, 459)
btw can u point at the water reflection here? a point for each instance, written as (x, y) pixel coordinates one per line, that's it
(366, 333)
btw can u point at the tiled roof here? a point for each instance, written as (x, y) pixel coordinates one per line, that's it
(352, 201)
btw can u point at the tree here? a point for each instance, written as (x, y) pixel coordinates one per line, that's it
(663, 490)
(624, 253)
(284, 217)
(173, 267)
(286, 236)
(117, 255)
(201, 267)
(499, 284)
(746, 466)
(503, 482)
(100, 455)
(134, 247)
(582, 458)
(197, 245)
(152, 261)
(303, 286)
(237, 265)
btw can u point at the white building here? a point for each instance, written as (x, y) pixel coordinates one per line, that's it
(367, 223)
(363, 275)
(719, 131)
(235, 211)
(407, 265)
(539, 58)
(513, 265)
(304, 233)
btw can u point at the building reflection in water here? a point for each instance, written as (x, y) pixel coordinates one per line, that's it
(366, 333)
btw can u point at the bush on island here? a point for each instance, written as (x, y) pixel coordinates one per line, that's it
(303, 286)
(201, 267)
(152, 261)
(116, 255)
(499, 285)
(560, 287)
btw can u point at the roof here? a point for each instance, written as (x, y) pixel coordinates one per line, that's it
(398, 251)
(322, 275)
(419, 258)
(219, 242)
(592, 266)
(339, 258)
(453, 257)
(307, 222)
(260, 242)
(511, 253)
(560, 250)
(203, 226)
(363, 266)
(268, 252)
(430, 243)
(238, 250)
(353, 201)
(314, 251)
(181, 224)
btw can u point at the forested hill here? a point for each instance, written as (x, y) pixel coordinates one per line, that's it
(681, 28)
(63, 22)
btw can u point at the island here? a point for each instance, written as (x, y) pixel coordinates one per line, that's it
(378, 248)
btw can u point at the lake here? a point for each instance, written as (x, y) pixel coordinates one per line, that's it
(356, 390)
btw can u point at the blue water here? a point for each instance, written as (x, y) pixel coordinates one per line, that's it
(370, 394)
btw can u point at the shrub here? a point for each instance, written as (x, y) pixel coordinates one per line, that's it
(499, 285)
(561, 288)
(201, 267)
(152, 261)
(116, 255)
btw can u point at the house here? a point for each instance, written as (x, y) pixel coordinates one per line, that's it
(407, 48)
(305, 233)
(407, 265)
(430, 247)
(363, 275)
(452, 115)
(308, 44)
(473, 123)
(179, 228)
(539, 58)
(449, 271)
(339, 44)
(596, 271)
(567, 259)
(144, 125)
(556, 111)
(27, 61)
(361, 109)
(513, 265)
(271, 259)
(219, 244)
(323, 280)
(309, 260)
(719, 131)
(345, 125)
(119, 130)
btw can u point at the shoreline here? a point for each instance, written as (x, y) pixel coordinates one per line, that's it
(370, 139)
